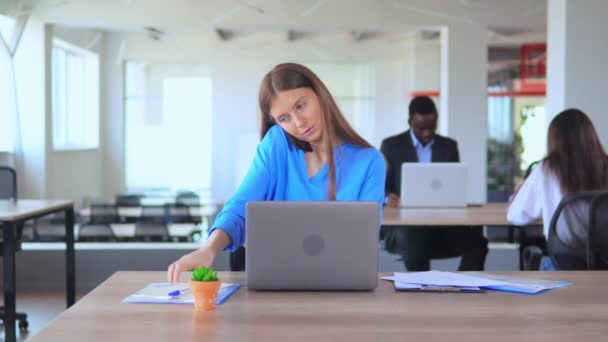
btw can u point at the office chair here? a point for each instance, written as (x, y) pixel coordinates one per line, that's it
(237, 260)
(128, 200)
(152, 224)
(532, 240)
(151, 231)
(188, 198)
(582, 211)
(104, 214)
(50, 228)
(178, 213)
(499, 233)
(531, 168)
(96, 232)
(8, 190)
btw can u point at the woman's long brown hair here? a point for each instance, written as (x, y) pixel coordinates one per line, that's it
(336, 129)
(575, 153)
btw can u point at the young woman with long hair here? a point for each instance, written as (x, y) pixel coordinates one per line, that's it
(308, 152)
(575, 161)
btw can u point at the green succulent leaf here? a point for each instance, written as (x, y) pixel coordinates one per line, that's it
(204, 274)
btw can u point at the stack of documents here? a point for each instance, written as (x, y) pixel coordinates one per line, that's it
(470, 282)
(178, 293)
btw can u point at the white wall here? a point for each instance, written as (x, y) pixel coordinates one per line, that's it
(111, 115)
(427, 66)
(393, 85)
(72, 174)
(236, 70)
(577, 55)
(427, 74)
(30, 72)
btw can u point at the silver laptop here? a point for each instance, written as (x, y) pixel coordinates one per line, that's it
(434, 184)
(312, 245)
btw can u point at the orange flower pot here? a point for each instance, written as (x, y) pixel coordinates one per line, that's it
(205, 294)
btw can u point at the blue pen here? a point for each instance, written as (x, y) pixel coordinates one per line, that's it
(178, 292)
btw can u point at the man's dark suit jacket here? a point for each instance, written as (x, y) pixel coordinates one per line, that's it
(400, 148)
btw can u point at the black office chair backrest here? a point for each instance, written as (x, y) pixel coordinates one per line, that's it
(187, 198)
(50, 228)
(8, 183)
(598, 232)
(178, 213)
(96, 232)
(151, 231)
(576, 234)
(128, 200)
(531, 168)
(153, 214)
(104, 214)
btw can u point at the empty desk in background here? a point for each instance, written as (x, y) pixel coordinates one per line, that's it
(13, 213)
(574, 313)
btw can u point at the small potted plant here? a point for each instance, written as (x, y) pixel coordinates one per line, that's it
(205, 286)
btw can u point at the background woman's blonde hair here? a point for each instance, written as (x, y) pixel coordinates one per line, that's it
(288, 76)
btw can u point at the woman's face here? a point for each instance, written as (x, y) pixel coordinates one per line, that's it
(298, 112)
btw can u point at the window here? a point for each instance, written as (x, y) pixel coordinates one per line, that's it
(168, 127)
(7, 108)
(75, 76)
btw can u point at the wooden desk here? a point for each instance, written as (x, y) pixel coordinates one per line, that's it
(488, 214)
(15, 213)
(491, 214)
(575, 313)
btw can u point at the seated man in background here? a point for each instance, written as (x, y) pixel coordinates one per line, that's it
(418, 245)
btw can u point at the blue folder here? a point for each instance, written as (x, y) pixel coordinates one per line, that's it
(226, 292)
(158, 293)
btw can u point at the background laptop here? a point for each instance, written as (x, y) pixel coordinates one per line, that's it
(434, 184)
(312, 245)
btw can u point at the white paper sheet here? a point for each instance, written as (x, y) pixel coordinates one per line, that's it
(440, 278)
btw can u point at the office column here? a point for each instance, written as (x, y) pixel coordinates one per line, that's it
(577, 51)
(463, 113)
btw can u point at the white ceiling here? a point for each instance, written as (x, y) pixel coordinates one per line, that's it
(508, 20)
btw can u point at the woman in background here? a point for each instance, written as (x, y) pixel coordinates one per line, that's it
(575, 161)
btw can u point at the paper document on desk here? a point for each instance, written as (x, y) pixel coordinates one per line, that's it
(479, 280)
(158, 293)
(522, 285)
(439, 278)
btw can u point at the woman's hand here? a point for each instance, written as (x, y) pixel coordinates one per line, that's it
(218, 240)
(202, 256)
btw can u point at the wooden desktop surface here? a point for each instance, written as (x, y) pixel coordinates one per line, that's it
(578, 312)
(491, 214)
(487, 214)
(17, 210)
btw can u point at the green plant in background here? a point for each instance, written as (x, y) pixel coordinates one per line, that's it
(204, 274)
(500, 158)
